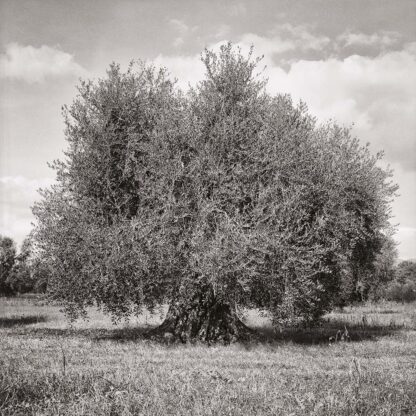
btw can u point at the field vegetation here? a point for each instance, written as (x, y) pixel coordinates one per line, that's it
(95, 367)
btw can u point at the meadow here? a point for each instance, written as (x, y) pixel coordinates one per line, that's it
(49, 367)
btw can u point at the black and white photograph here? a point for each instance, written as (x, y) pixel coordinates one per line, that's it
(207, 208)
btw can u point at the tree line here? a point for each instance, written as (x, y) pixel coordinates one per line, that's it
(23, 271)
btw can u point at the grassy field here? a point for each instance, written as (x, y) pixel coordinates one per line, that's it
(48, 367)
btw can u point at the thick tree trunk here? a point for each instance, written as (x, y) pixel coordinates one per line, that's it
(202, 317)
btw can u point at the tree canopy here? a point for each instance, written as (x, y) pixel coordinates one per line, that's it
(220, 196)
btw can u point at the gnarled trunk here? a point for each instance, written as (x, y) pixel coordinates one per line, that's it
(204, 317)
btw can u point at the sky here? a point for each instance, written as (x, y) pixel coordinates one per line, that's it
(352, 61)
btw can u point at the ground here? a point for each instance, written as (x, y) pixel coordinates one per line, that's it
(96, 368)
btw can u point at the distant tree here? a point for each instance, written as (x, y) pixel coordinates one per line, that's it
(384, 268)
(220, 197)
(403, 287)
(22, 277)
(41, 275)
(368, 277)
(406, 272)
(386, 260)
(7, 260)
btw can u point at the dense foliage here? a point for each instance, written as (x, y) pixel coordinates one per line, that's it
(7, 259)
(403, 287)
(224, 195)
(406, 271)
(21, 278)
(29, 273)
(21, 272)
(367, 280)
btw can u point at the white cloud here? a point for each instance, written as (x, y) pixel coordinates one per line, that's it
(266, 46)
(177, 42)
(26, 186)
(33, 64)
(17, 195)
(406, 239)
(285, 38)
(222, 31)
(179, 25)
(182, 29)
(383, 39)
(377, 94)
(404, 209)
(187, 69)
(303, 37)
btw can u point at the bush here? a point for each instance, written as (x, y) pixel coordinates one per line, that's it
(401, 292)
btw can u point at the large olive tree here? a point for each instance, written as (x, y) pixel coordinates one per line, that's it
(221, 197)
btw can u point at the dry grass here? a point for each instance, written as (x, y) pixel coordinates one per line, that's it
(96, 368)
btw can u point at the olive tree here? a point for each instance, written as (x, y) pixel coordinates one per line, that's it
(210, 200)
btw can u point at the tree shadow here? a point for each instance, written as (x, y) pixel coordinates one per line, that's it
(326, 333)
(94, 334)
(12, 321)
(123, 334)
(318, 335)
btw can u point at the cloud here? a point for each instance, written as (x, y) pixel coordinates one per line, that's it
(177, 42)
(31, 64)
(17, 195)
(383, 39)
(182, 29)
(187, 69)
(179, 25)
(23, 185)
(303, 37)
(266, 46)
(222, 31)
(404, 208)
(376, 94)
(285, 38)
(406, 238)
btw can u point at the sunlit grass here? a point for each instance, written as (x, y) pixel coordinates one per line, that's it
(48, 367)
